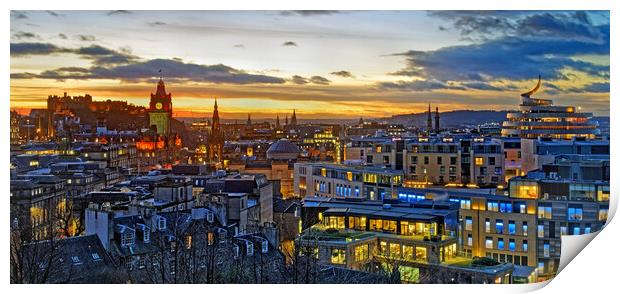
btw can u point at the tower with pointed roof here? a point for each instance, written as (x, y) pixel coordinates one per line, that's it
(160, 109)
(429, 120)
(436, 119)
(294, 119)
(277, 121)
(216, 138)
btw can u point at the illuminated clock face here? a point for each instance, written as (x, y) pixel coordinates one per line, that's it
(158, 105)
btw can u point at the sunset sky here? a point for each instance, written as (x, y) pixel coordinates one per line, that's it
(330, 64)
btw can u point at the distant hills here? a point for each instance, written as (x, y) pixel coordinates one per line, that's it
(448, 119)
(460, 118)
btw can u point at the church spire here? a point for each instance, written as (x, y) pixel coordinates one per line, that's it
(215, 121)
(429, 120)
(277, 121)
(436, 119)
(294, 118)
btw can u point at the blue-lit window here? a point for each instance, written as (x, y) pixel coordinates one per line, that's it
(524, 228)
(524, 245)
(500, 244)
(499, 226)
(512, 228)
(575, 213)
(546, 250)
(511, 245)
(465, 204)
(505, 207)
(586, 230)
(492, 206)
(402, 196)
(357, 192)
(576, 231)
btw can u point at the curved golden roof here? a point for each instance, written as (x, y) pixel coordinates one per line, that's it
(531, 92)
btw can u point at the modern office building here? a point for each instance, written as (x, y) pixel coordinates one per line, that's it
(493, 226)
(540, 118)
(419, 239)
(453, 161)
(346, 181)
(536, 152)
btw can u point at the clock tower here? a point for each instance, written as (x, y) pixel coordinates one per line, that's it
(160, 109)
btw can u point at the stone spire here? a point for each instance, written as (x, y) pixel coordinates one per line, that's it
(429, 120)
(215, 125)
(436, 119)
(294, 119)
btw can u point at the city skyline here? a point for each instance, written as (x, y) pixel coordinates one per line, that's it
(325, 64)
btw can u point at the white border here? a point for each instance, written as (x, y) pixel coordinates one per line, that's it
(593, 268)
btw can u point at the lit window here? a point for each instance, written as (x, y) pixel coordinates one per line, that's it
(499, 226)
(524, 228)
(512, 228)
(546, 249)
(500, 244)
(468, 223)
(479, 160)
(361, 253)
(524, 245)
(511, 245)
(602, 214)
(488, 243)
(575, 213)
(541, 267)
(541, 231)
(544, 212)
(470, 240)
(338, 256)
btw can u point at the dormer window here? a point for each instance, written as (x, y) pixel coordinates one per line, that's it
(75, 259)
(161, 223)
(96, 256)
(250, 249)
(127, 238)
(265, 246)
(236, 251)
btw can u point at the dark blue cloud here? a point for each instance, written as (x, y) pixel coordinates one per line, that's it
(24, 49)
(98, 54)
(514, 46)
(592, 88)
(175, 69)
(418, 86)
